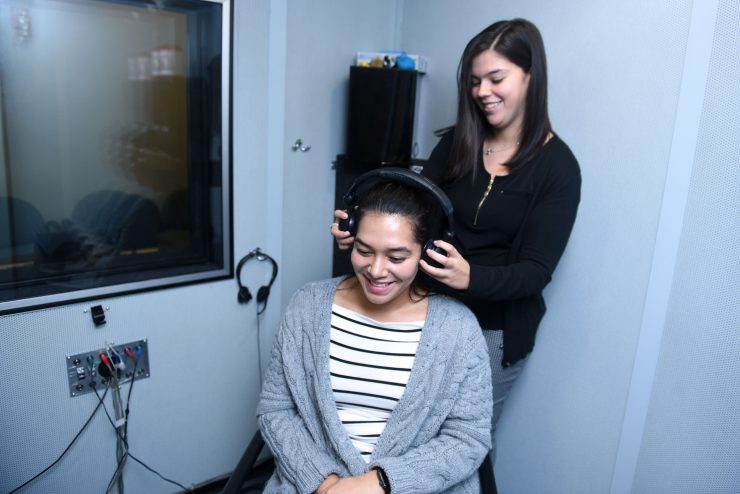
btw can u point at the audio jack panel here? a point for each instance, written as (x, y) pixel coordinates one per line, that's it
(95, 369)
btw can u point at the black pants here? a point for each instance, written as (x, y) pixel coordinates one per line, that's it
(487, 477)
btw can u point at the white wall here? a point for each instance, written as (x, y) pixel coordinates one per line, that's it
(690, 439)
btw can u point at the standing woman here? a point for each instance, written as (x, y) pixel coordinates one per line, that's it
(375, 384)
(515, 186)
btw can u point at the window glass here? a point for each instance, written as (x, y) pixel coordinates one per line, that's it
(113, 147)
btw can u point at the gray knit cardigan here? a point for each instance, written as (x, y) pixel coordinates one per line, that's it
(435, 438)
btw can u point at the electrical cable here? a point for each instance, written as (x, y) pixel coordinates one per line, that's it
(130, 455)
(117, 479)
(116, 365)
(84, 426)
(259, 348)
(125, 441)
(119, 465)
(128, 400)
(121, 458)
(173, 482)
(121, 448)
(123, 438)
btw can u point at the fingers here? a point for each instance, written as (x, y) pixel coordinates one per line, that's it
(327, 483)
(454, 270)
(343, 239)
(433, 271)
(447, 247)
(339, 215)
(336, 232)
(444, 254)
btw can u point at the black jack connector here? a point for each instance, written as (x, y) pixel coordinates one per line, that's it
(104, 371)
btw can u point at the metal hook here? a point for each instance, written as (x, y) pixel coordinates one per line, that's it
(258, 253)
(298, 146)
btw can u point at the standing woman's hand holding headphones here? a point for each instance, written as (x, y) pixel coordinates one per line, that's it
(344, 238)
(454, 270)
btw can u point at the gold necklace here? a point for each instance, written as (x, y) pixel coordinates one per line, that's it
(489, 151)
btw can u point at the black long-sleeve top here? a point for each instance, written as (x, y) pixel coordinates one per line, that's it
(517, 239)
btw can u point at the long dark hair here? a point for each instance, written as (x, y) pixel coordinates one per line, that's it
(521, 43)
(417, 206)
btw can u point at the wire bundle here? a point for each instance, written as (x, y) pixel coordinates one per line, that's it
(115, 364)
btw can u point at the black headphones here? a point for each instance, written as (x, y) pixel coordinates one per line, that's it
(263, 293)
(412, 179)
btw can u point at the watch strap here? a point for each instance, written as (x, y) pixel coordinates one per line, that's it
(383, 480)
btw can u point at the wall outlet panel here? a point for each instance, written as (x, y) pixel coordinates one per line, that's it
(87, 372)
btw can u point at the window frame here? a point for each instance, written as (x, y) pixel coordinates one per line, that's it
(226, 269)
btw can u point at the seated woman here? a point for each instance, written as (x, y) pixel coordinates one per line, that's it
(375, 384)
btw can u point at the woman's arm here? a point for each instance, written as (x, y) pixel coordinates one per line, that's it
(543, 240)
(301, 461)
(464, 438)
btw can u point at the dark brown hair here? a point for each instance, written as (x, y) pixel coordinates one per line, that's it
(521, 43)
(417, 206)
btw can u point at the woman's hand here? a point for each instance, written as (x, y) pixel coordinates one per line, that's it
(344, 241)
(326, 483)
(367, 483)
(455, 270)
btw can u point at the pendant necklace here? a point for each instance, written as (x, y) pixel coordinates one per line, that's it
(489, 150)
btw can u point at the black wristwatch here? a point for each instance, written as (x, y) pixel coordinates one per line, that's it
(383, 480)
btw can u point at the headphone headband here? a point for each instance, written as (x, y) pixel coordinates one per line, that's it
(406, 177)
(263, 293)
(261, 256)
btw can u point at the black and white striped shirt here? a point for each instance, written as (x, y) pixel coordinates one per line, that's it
(370, 366)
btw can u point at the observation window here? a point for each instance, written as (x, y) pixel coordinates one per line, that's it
(114, 147)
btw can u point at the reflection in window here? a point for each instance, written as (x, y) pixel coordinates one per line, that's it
(113, 147)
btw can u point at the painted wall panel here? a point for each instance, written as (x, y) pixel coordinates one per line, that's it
(692, 431)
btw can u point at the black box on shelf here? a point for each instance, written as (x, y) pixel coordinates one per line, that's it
(380, 123)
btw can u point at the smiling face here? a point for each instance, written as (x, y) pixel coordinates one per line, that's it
(385, 258)
(499, 88)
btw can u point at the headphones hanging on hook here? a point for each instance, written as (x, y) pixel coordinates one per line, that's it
(263, 293)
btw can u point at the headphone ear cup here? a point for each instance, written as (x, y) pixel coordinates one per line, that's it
(243, 296)
(430, 246)
(262, 294)
(349, 224)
